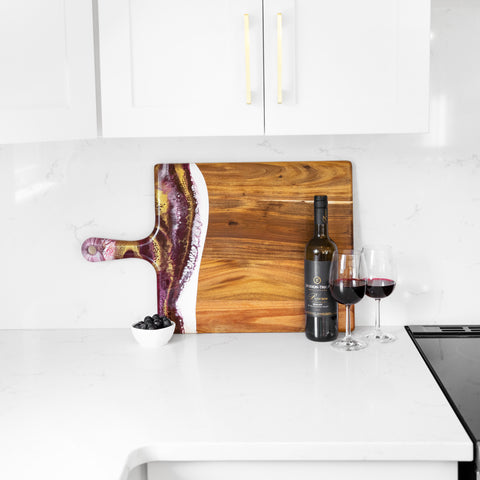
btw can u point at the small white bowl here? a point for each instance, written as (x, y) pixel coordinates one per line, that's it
(153, 338)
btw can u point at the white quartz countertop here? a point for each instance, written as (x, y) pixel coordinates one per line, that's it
(81, 404)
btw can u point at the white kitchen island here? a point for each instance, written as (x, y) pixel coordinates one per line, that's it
(92, 404)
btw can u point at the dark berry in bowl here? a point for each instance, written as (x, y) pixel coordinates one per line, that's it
(153, 331)
(166, 322)
(154, 322)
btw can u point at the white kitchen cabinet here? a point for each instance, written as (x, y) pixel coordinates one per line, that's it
(178, 67)
(309, 66)
(47, 84)
(306, 470)
(348, 66)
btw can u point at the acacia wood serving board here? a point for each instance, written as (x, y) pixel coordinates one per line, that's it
(260, 218)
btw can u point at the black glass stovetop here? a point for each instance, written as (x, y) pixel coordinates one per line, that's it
(452, 353)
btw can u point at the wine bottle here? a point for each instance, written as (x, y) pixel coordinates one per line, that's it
(321, 324)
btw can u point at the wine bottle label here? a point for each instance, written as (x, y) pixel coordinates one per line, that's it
(318, 300)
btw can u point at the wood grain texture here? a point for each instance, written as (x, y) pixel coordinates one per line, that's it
(261, 217)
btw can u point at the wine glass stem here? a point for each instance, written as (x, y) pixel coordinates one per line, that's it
(377, 314)
(348, 327)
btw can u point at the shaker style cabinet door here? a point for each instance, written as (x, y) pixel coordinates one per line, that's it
(47, 80)
(346, 66)
(182, 67)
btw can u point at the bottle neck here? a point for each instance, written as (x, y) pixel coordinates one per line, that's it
(321, 222)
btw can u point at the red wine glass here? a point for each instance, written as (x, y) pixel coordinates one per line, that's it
(347, 286)
(381, 281)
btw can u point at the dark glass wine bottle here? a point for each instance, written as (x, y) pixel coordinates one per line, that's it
(321, 323)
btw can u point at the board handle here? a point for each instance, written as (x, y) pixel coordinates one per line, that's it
(95, 249)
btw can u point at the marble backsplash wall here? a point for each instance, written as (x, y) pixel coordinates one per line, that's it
(420, 193)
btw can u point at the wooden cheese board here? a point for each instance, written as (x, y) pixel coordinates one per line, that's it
(260, 218)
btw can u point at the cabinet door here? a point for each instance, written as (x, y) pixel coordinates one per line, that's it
(179, 67)
(346, 66)
(47, 82)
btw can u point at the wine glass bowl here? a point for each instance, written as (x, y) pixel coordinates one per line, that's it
(348, 291)
(381, 281)
(347, 286)
(379, 287)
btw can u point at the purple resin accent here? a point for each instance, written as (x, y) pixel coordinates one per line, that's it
(173, 246)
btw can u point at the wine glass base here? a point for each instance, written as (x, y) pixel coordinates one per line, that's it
(380, 337)
(349, 344)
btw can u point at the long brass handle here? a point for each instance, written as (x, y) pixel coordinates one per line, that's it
(246, 25)
(279, 58)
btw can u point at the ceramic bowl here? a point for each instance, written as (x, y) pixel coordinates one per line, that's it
(153, 338)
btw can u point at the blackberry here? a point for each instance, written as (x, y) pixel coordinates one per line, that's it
(154, 322)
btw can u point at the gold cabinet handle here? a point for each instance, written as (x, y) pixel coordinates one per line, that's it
(246, 25)
(279, 58)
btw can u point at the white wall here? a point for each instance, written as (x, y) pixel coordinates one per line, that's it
(421, 193)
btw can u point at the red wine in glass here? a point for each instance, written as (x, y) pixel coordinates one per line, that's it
(348, 291)
(347, 286)
(379, 287)
(381, 280)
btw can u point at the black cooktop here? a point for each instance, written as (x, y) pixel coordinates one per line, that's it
(452, 353)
